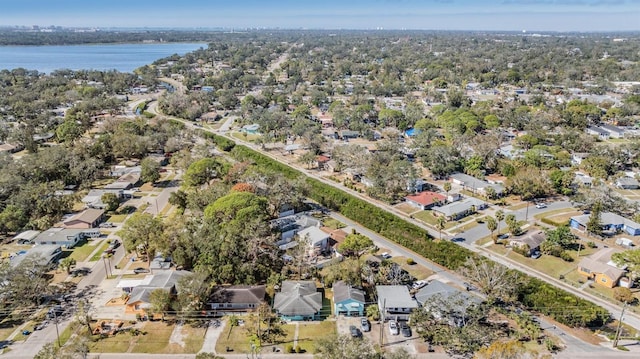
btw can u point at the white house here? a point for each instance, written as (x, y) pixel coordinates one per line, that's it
(395, 302)
(317, 239)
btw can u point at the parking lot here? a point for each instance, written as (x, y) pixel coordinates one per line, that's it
(412, 345)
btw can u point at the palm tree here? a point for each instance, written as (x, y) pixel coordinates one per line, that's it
(499, 218)
(492, 225)
(440, 222)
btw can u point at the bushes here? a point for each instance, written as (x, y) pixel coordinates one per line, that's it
(533, 293)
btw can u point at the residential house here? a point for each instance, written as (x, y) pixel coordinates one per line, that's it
(395, 302)
(439, 292)
(610, 222)
(614, 131)
(348, 134)
(26, 237)
(426, 200)
(601, 269)
(475, 185)
(530, 242)
(578, 157)
(582, 180)
(331, 166)
(119, 170)
(47, 253)
(289, 226)
(625, 242)
(597, 131)
(236, 298)
(318, 240)
(298, 300)
(347, 300)
(321, 162)
(139, 295)
(510, 152)
(627, 183)
(66, 237)
(461, 209)
(89, 218)
(93, 199)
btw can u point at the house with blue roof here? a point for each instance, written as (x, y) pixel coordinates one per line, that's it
(610, 222)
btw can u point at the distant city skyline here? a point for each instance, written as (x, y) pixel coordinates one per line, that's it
(499, 15)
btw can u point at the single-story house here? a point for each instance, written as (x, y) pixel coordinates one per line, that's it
(347, 300)
(347, 134)
(119, 170)
(614, 131)
(298, 300)
(531, 241)
(26, 237)
(475, 185)
(597, 131)
(66, 237)
(49, 253)
(610, 222)
(93, 199)
(627, 183)
(395, 302)
(425, 200)
(583, 180)
(236, 298)
(318, 240)
(461, 209)
(321, 161)
(624, 242)
(139, 297)
(89, 218)
(437, 291)
(601, 269)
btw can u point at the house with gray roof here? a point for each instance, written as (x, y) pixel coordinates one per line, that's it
(348, 300)
(139, 296)
(614, 131)
(437, 295)
(318, 239)
(298, 300)
(610, 222)
(597, 131)
(475, 185)
(531, 241)
(46, 253)
(236, 298)
(66, 237)
(395, 302)
(456, 210)
(627, 183)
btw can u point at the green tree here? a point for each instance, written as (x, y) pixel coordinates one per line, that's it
(631, 259)
(160, 300)
(594, 225)
(67, 263)
(513, 225)
(111, 201)
(143, 233)
(623, 295)
(499, 218)
(494, 280)
(447, 187)
(344, 346)
(202, 171)
(355, 244)
(12, 219)
(440, 224)
(68, 131)
(562, 237)
(150, 170)
(492, 225)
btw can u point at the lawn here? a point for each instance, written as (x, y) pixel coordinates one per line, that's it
(309, 333)
(406, 208)
(554, 212)
(415, 270)
(98, 254)
(81, 253)
(245, 136)
(238, 339)
(426, 216)
(117, 218)
(333, 223)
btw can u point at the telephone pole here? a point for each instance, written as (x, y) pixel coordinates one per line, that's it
(619, 328)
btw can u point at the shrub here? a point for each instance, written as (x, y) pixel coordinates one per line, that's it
(566, 256)
(591, 244)
(299, 349)
(410, 261)
(289, 349)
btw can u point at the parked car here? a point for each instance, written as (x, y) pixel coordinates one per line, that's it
(541, 205)
(458, 239)
(393, 327)
(536, 255)
(419, 284)
(41, 325)
(405, 329)
(355, 332)
(364, 324)
(55, 312)
(26, 332)
(115, 244)
(140, 270)
(385, 255)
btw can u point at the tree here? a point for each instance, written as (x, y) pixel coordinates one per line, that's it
(623, 295)
(202, 171)
(499, 218)
(160, 300)
(494, 280)
(492, 225)
(150, 170)
(344, 346)
(24, 285)
(355, 244)
(440, 224)
(513, 225)
(111, 201)
(208, 356)
(143, 233)
(512, 349)
(447, 187)
(562, 237)
(67, 263)
(594, 225)
(631, 259)
(12, 218)
(308, 158)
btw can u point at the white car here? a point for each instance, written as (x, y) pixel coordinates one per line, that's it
(385, 255)
(393, 328)
(541, 205)
(419, 284)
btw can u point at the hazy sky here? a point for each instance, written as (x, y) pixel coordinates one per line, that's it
(553, 15)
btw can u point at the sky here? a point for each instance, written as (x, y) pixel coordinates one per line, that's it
(500, 15)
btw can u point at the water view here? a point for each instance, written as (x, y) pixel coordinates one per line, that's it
(121, 57)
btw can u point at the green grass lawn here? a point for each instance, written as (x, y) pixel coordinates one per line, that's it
(309, 333)
(333, 223)
(98, 254)
(117, 218)
(245, 136)
(237, 339)
(414, 270)
(81, 253)
(426, 217)
(153, 339)
(553, 212)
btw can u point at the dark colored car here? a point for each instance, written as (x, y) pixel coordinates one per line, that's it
(364, 324)
(355, 332)
(140, 270)
(405, 329)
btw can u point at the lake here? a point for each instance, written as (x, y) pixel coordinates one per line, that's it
(121, 57)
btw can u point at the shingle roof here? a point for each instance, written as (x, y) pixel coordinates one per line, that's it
(426, 198)
(87, 216)
(459, 207)
(395, 296)
(298, 298)
(599, 263)
(437, 287)
(343, 291)
(239, 294)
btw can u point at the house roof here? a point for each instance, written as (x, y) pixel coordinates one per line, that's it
(298, 298)
(322, 159)
(167, 279)
(600, 262)
(459, 207)
(475, 183)
(27, 235)
(343, 291)
(444, 290)
(315, 234)
(140, 294)
(241, 294)
(627, 181)
(612, 128)
(57, 234)
(47, 251)
(533, 240)
(87, 216)
(426, 198)
(607, 218)
(395, 296)
(598, 130)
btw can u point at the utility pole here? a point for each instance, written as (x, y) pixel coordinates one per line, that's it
(619, 328)
(55, 317)
(382, 317)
